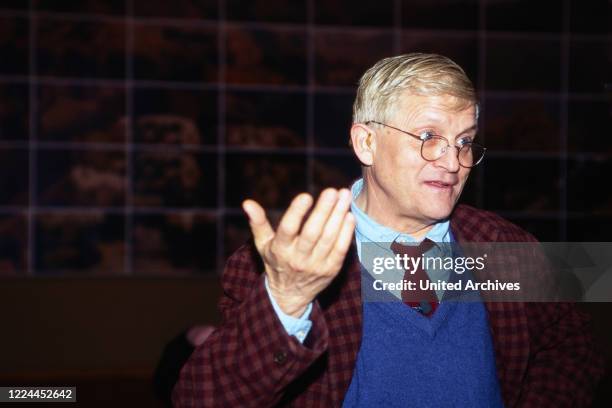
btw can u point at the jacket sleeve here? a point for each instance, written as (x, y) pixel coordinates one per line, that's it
(250, 359)
(564, 367)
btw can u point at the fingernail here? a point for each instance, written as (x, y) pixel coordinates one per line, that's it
(246, 209)
(345, 194)
(350, 217)
(305, 199)
(329, 195)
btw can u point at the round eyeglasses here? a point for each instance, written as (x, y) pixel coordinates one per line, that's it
(469, 154)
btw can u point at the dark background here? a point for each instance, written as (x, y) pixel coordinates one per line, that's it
(131, 130)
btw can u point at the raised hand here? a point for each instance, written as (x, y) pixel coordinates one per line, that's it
(302, 258)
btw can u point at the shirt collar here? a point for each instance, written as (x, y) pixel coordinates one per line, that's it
(368, 230)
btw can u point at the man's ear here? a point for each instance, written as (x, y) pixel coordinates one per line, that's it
(363, 141)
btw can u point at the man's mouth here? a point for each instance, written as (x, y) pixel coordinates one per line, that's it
(440, 184)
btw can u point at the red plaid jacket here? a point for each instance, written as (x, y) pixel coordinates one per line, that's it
(544, 352)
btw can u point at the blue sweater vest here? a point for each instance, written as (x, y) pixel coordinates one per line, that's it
(409, 360)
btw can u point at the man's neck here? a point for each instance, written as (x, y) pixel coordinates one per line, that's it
(370, 203)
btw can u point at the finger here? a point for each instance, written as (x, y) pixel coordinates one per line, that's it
(291, 221)
(345, 238)
(334, 224)
(314, 226)
(260, 226)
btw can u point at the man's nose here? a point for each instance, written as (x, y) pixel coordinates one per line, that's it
(449, 159)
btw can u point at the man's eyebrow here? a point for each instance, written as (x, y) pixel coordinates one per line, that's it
(471, 128)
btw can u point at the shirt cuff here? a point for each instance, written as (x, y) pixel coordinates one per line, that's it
(298, 327)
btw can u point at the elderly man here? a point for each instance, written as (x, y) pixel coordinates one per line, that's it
(296, 329)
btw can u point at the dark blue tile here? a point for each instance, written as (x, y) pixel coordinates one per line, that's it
(525, 15)
(544, 229)
(175, 53)
(354, 13)
(80, 244)
(201, 9)
(14, 114)
(589, 124)
(266, 56)
(440, 14)
(175, 116)
(261, 119)
(589, 228)
(13, 245)
(272, 180)
(461, 48)
(343, 57)
(587, 186)
(15, 180)
(82, 114)
(174, 244)
(18, 5)
(523, 64)
(267, 10)
(522, 124)
(337, 171)
(472, 191)
(81, 178)
(590, 66)
(591, 17)
(14, 46)
(114, 7)
(236, 233)
(333, 116)
(524, 185)
(167, 178)
(68, 48)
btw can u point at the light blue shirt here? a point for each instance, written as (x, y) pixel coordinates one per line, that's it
(367, 230)
(298, 327)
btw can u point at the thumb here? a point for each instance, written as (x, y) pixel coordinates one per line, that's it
(260, 226)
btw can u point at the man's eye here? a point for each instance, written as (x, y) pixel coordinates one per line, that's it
(426, 135)
(464, 141)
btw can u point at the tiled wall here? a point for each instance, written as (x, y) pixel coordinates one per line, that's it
(131, 130)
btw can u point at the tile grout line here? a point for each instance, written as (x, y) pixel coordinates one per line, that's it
(32, 163)
(284, 89)
(564, 111)
(482, 66)
(310, 96)
(129, 136)
(279, 26)
(221, 131)
(397, 27)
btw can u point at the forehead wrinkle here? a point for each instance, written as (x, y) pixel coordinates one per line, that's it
(440, 112)
(424, 116)
(432, 106)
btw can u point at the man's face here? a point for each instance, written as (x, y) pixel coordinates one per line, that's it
(419, 192)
